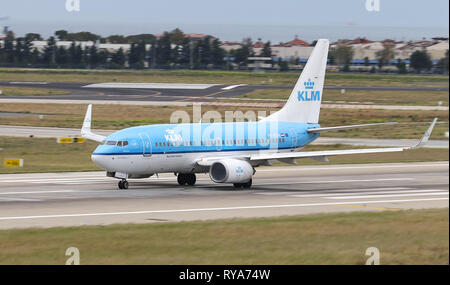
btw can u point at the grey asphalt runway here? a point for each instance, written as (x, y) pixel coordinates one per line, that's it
(48, 132)
(90, 198)
(171, 92)
(192, 100)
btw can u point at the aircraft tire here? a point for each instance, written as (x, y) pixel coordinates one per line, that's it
(182, 179)
(191, 179)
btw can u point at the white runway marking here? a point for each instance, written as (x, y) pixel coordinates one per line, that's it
(233, 86)
(218, 209)
(19, 199)
(81, 181)
(35, 192)
(351, 167)
(300, 193)
(49, 180)
(386, 196)
(150, 85)
(335, 181)
(363, 192)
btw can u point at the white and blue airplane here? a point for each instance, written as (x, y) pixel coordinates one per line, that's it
(229, 151)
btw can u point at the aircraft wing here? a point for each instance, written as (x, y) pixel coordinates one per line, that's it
(324, 154)
(289, 157)
(320, 130)
(86, 129)
(208, 161)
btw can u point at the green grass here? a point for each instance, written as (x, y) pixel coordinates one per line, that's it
(202, 76)
(46, 155)
(402, 237)
(25, 91)
(414, 123)
(379, 97)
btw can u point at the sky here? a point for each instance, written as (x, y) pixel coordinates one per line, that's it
(233, 20)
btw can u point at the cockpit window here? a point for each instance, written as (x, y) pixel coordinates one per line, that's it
(118, 143)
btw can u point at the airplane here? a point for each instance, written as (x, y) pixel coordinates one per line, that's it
(228, 151)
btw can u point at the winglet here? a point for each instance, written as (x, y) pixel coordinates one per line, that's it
(425, 137)
(86, 128)
(87, 120)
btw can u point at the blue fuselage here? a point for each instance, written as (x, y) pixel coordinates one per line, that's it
(207, 138)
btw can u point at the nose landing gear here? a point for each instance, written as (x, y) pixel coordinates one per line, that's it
(123, 184)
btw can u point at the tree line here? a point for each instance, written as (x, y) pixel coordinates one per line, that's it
(419, 60)
(171, 50)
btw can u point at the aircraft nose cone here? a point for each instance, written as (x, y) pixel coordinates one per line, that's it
(99, 160)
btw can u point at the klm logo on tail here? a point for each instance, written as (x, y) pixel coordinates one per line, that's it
(309, 94)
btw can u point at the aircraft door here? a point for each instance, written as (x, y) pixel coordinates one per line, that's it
(293, 136)
(146, 145)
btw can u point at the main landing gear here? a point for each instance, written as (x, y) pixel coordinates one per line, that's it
(247, 184)
(123, 184)
(186, 179)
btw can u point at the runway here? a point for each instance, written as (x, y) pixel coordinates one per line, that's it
(90, 198)
(182, 95)
(171, 91)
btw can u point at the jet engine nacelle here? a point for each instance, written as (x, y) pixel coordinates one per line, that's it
(231, 171)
